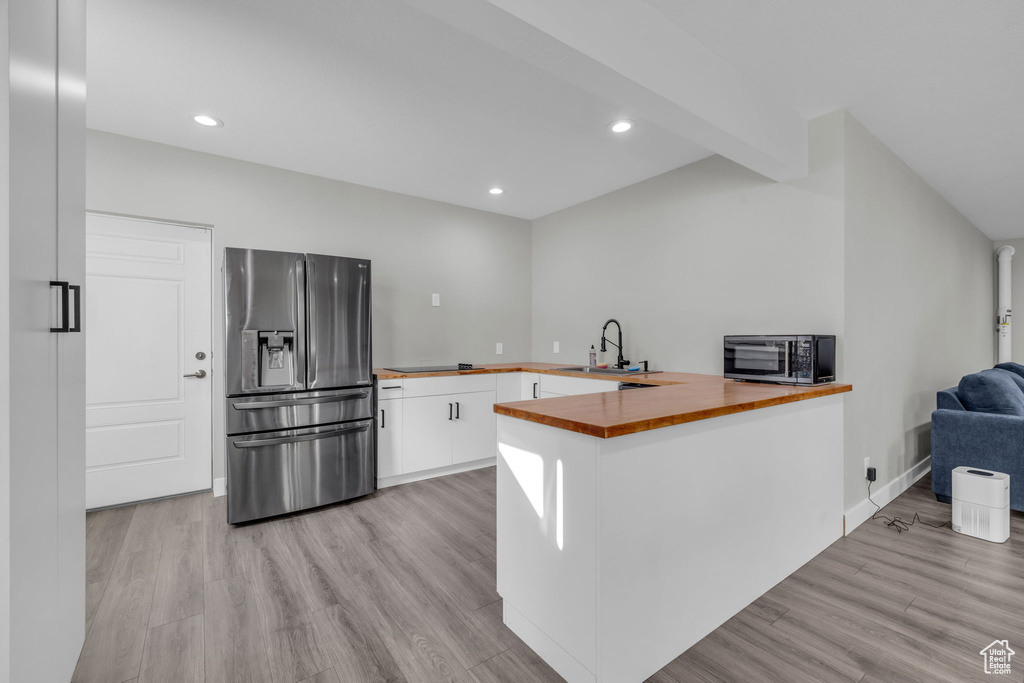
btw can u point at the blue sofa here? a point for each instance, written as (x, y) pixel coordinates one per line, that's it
(980, 423)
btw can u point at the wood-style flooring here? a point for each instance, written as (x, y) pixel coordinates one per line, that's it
(400, 586)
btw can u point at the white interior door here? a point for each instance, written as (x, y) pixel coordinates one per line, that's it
(148, 422)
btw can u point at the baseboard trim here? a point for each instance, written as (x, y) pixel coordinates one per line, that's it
(437, 472)
(220, 487)
(551, 652)
(862, 511)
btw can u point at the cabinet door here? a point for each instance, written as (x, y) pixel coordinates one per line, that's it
(530, 385)
(475, 427)
(509, 387)
(550, 394)
(68, 632)
(575, 386)
(427, 432)
(37, 615)
(389, 438)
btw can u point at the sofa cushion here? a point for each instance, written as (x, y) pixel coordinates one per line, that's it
(947, 399)
(1015, 368)
(991, 391)
(1017, 379)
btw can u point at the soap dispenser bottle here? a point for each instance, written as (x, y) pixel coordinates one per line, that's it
(593, 356)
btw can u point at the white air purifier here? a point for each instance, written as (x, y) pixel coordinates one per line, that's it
(981, 504)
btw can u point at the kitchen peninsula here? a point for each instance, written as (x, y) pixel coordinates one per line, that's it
(632, 523)
(629, 523)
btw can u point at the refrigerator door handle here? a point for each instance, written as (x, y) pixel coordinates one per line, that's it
(255, 443)
(311, 323)
(256, 405)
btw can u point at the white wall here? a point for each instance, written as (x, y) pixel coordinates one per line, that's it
(686, 257)
(920, 308)
(478, 262)
(862, 248)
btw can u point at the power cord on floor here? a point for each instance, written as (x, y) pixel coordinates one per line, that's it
(897, 523)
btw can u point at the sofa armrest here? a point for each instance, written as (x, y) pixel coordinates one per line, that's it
(973, 439)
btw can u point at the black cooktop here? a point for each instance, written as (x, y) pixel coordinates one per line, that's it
(434, 368)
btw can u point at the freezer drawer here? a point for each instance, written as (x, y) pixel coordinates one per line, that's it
(278, 472)
(246, 414)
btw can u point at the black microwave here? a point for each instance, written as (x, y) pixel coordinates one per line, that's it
(781, 359)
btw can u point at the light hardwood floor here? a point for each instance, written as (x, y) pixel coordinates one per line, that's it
(399, 586)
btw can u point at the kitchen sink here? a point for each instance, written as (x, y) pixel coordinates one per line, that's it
(605, 371)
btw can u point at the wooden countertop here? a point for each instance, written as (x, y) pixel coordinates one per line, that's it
(545, 369)
(677, 398)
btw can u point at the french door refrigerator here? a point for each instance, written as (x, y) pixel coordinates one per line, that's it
(299, 404)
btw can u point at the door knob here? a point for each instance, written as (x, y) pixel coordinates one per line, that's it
(198, 374)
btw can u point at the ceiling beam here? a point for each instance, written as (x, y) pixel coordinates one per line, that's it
(630, 54)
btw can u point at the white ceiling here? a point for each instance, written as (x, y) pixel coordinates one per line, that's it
(940, 82)
(378, 93)
(366, 91)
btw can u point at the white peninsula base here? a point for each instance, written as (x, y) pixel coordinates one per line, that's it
(616, 555)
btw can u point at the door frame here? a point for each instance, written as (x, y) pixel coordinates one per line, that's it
(213, 334)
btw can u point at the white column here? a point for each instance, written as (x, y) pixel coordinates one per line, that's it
(1004, 255)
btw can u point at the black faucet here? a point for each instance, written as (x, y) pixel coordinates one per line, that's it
(620, 363)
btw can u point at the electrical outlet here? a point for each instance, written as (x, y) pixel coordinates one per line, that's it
(556, 347)
(499, 348)
(867, 464)
(435, 299)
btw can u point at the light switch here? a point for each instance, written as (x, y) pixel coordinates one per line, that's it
(498, 349)
(435, 299)
(556, 347)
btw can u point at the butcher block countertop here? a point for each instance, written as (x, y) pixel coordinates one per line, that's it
(543, 368)
(677, 398)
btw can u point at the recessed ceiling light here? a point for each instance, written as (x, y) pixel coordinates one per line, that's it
(621, 126)
(496, 190)
(204, 120)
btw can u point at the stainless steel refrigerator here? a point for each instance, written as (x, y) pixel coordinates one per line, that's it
(299, 403)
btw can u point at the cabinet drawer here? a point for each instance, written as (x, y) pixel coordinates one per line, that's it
(573, 386)
(457, 384)
(390, 388)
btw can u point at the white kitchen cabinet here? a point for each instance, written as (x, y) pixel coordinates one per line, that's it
(429, 426)
(574, 386)
(389, 437)
(390, 388)
(474, 427)
(530, 385)
(509, 387)
(428, 433)
(451, 384)
(42, 396)
(451, 429)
